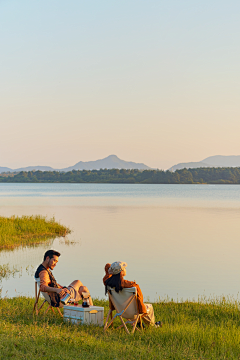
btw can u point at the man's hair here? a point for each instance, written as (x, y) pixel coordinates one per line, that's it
(51, 253)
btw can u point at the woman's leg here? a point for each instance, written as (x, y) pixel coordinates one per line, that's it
(149, 318)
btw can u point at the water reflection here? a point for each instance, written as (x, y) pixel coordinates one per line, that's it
(176, 247)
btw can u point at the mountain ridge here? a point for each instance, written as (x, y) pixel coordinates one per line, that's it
(211, 161)
(113, 162)
(110, 162)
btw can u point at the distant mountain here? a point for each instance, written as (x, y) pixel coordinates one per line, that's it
(189, 165)
(28, 168)
(5, 169)
(110, 162)
(211, 161)
(223, 161)
(31, 168)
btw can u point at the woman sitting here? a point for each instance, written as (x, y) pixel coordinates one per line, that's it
(114, 278)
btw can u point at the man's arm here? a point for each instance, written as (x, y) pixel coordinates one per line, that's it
(59, 291)
(45, 281)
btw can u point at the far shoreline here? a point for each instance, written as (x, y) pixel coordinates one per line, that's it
(198, 176)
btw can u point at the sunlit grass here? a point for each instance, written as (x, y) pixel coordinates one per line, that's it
(27, 230)
(207, 329)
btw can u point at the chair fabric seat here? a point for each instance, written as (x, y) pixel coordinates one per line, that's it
(45, 294)
(125, 304)
(121, 300)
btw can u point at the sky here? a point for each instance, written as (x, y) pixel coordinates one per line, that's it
(150, 81)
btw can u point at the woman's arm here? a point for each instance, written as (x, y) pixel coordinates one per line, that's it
(128, 284)
(141, 306)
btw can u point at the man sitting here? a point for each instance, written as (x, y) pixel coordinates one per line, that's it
(49, 284)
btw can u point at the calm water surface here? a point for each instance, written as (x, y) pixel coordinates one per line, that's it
(179, 241)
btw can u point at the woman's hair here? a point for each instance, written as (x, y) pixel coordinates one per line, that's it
(115, 281)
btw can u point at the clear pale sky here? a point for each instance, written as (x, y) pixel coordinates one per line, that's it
(150, 81)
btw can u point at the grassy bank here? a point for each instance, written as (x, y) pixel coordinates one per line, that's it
(27, 230)
(190, 331)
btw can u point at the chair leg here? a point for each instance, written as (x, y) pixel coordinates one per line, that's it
(36, 299)
(49, 307)
(124, 325)
(127, 322)
(42, 305)
(37, 310)
(59, 312)
(111, 318)
(119, 327)
(135, 324)
(35, 306)
(110, 323)
(109, 313)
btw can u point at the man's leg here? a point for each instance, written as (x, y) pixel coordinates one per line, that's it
(79, 289)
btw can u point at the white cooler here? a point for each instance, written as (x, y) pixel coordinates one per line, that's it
(79, 315)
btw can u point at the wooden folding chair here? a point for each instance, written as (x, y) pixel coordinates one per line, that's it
(125, 304)
(46, 300)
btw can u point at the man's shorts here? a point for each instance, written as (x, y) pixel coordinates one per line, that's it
(74, 292)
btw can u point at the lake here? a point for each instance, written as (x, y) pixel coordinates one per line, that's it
(179, 241)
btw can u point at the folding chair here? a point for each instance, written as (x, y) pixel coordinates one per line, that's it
(46, 300)
(125, 304)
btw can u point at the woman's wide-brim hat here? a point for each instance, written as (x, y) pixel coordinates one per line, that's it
(117, 267)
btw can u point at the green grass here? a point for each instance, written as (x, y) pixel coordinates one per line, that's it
(28, 230)
(200, 330)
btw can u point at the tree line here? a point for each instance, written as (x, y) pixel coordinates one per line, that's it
(183, 176)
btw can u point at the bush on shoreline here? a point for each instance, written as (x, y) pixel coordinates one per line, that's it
(28, 230)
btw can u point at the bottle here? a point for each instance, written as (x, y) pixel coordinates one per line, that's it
(85, 297)
(65, 299)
